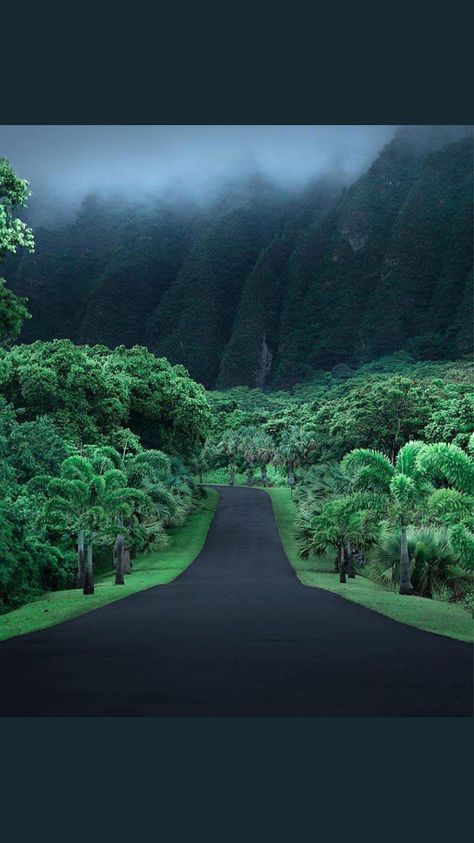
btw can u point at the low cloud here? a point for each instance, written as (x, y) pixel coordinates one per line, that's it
(64, 163)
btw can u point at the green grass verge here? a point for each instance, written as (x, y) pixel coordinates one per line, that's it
(431, 615)
(154, 569)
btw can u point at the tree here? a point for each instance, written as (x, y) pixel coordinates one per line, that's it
(383, 414)
(31, 558)
(14, 234)
(404, 485)
(342, 522)
(294, 449)
(82, 500)
(256, 449)
(452, 504)
(264, 451)
(144, 500)
(36, 448)
(90, 392)
(323, 482)
(228, 447)
(452, 421)
(165, 407)
(434, 564)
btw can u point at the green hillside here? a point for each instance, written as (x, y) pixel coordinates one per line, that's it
(264, 288)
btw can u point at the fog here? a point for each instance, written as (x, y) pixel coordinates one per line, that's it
(63, 163)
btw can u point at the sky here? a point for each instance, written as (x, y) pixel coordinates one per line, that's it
(64, 163)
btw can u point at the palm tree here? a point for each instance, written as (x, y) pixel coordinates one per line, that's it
(80, 498)
(320, 483)
(452, 504)
(404, 485)
(81, 566)
(228, 447)
(295, 448)
(264, 451)
(146, 496)
(434, 564)
(124, 504)
(342, 522)
(248, 448)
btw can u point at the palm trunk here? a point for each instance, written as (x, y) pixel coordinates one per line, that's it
(200, 477)
(127, 565)
(81, 568)
(291, 475)
(359, 557)
(89, 577)
(405, 582)
(119, 580)
(264, 476)
(231, 476)
(350, 561)
(250, 475)
(342, 564)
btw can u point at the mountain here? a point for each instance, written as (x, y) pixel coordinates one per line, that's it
(262, 287)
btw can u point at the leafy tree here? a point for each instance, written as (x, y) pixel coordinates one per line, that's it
(90, 392)
(452, 422)
(384, 414)
(31, 560)
(167, 409)
(36, 448)
(14, 234)
(13, 312)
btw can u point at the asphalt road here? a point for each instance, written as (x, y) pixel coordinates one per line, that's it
(235, 635)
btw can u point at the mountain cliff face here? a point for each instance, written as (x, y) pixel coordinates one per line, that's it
(262, 288)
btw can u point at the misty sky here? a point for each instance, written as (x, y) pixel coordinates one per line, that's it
(70, 161)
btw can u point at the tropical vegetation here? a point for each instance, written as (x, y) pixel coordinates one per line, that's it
(105, 446)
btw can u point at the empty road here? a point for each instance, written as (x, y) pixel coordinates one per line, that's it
(235, 635)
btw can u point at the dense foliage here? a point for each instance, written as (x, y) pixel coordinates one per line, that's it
(374, 480)
(91, 391)
(73, 461)
(102, 441)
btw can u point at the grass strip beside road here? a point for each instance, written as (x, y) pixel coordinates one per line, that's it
(158, 568)
(436, 616)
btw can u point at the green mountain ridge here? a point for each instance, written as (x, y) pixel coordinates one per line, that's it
(263, 288)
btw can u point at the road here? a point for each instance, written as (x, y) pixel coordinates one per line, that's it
(235, 635)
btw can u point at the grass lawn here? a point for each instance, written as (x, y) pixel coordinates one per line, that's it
(157, 568)
(431, 615)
